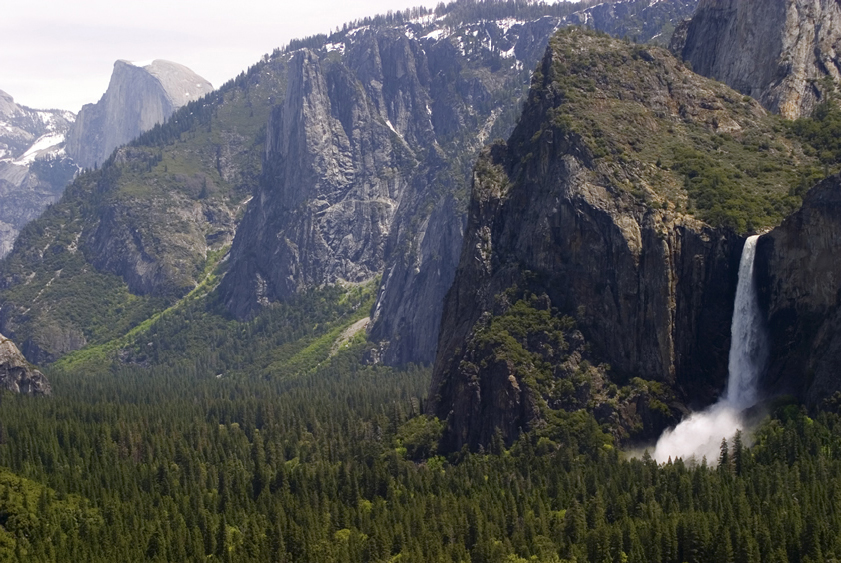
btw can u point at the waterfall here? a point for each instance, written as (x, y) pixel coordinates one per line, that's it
(748, 340)
(700, 434)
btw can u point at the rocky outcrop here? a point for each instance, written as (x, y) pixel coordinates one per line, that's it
(36, 146)
(139, 96)
(26, 133)
(778, 51)
(409, 104)
(649, 286)
(18, 375)
(153, 221)
(799, 276)
(409, 319)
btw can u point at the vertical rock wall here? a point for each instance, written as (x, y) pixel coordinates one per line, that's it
(777, 51)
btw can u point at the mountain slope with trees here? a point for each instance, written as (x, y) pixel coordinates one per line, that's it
(148, 225)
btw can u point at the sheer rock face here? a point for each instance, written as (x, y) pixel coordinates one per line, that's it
(799, 276)
(332, 183)
(777, 51)
(380, 188)
(138, 98)
(641, 21)
(650, 288)
(18, 375)
(362, 168)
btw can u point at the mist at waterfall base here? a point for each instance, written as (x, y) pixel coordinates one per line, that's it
(700, 434)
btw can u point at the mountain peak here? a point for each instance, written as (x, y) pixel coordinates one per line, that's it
(139, 96)
(7, 104)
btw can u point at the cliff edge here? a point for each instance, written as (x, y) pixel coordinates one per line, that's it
(18, 375)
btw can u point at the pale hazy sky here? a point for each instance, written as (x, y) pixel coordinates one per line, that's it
(59, 53)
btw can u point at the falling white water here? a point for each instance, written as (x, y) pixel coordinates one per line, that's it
(700, 435)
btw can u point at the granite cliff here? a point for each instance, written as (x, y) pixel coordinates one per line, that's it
(143, 229)
(41, 151)
(382, 120)
(364, 167)
(139, 96)
(589, 215)
(778, 51)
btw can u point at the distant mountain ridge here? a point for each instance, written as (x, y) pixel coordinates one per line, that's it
(34, 167)
(407, 102)
(42, 150)
(429, 91)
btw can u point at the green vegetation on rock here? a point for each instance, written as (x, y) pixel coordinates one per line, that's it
(821, 135)
(670, 137)
(139, 232)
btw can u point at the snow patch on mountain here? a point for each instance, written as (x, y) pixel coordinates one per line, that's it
(51, 143)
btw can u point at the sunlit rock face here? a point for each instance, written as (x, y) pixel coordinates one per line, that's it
(368, 160)
(777, 51)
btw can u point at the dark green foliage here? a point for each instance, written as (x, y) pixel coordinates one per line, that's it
(717, 191)
(49, 277)
(182, 469)
(715, 156)
(529, 335)
(199, 438)
(38, 525)
(54, 171)
(419, 437)
(156, 458)
(821, 134)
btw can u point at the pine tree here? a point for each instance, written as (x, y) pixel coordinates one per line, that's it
(724, 456)
(738, 453)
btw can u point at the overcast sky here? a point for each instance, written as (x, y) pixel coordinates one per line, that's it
(59, 54)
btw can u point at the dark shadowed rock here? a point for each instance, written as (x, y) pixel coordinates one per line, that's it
(604, 238)
(361, 171)
(369, 158)
(362, 174)
(799, 276)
